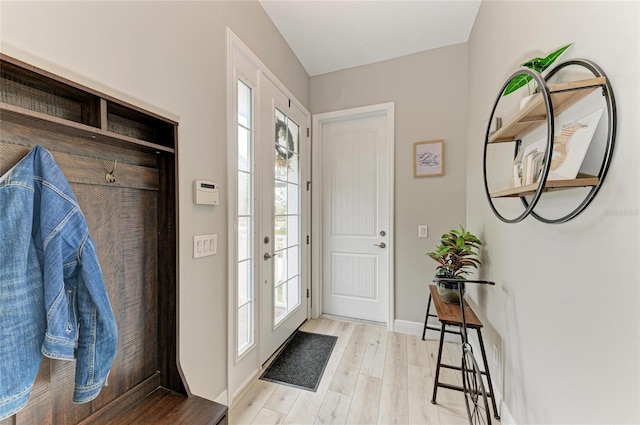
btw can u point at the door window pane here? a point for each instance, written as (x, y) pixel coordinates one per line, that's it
(281, 203)
(245, 217)
(293, 292)
(293, 262)
(280, 232)
(293, 191)
(244, 193)
(244, 238)
(293, 235)
(286, 285)
(244, 149)
(292, 169)
(281, 166)
(244, 105)
(245, 327)
(244, 282)
(280, 302)
(280, 266)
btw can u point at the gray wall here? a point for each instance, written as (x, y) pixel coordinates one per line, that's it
(430, 94)
(565, 311)
(170, 58)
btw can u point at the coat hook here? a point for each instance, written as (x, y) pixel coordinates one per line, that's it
(110, 177)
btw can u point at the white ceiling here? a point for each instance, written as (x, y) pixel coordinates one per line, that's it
(332, 35)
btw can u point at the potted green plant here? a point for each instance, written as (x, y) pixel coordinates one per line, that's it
(457, 254)
(537, 64)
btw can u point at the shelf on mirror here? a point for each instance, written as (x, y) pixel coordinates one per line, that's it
(534, 114)
(550, 186)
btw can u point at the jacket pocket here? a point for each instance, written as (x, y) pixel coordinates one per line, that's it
(62, 324)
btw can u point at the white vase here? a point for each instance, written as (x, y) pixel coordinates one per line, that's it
(525, 101)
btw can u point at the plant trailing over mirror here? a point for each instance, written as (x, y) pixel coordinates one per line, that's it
(536, 64)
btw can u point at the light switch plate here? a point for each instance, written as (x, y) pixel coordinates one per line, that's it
(205, 245)
(423, 231)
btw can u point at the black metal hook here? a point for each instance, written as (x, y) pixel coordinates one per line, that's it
(110, 176)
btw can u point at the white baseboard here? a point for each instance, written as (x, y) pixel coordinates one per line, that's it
(505, 415)
(243, 388)
(502, 409)
(223, 398)
(415, 328)
(407, 327)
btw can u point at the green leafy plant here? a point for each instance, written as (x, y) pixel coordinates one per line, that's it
(536, 64)
(456, 254)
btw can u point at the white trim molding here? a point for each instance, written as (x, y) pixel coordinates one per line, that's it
(223, 398)
(407, 327)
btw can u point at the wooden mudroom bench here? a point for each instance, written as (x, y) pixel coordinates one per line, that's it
(120, 161)
(161, 407)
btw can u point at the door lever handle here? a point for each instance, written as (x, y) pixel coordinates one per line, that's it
(380, 245)
(266, 256)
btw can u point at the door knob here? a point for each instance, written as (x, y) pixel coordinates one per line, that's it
(266, 256)
(380, 245)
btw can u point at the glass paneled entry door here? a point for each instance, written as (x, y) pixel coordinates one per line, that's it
(284, 222)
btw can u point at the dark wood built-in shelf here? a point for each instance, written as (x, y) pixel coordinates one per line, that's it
(42, 121)
(134, 223)
(40, 99)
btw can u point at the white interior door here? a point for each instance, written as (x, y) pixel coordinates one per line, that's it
(284, 280)
(357, 243)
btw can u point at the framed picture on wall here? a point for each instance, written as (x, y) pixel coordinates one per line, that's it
(428, 158)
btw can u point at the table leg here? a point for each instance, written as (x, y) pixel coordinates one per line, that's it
(486, 369)
(435, 381)
(426, 318)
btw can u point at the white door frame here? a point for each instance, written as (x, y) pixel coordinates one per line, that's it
(316, 199)
(241, 370)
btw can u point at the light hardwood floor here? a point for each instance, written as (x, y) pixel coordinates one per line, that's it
(373, 377)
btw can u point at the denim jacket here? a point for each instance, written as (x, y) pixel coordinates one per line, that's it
(53, 300)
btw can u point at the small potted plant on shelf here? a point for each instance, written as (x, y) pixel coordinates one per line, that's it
(537, 64)
(456, 254)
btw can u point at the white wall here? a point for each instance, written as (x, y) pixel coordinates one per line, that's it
(170, 58)
(430, 94)
(565, 310)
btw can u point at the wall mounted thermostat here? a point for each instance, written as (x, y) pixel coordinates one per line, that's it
(205, 192)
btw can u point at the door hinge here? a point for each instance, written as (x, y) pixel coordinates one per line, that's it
(308, 186)
(307, 293)
(308, 132)
(307, 239)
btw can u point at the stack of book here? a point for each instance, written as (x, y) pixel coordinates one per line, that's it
(528, 168)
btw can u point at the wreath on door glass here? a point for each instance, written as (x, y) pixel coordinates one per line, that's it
(284, 141)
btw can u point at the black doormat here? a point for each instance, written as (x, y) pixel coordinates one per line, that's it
(302, 361)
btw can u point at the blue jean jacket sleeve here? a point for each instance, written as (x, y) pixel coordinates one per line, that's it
(98, 332)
